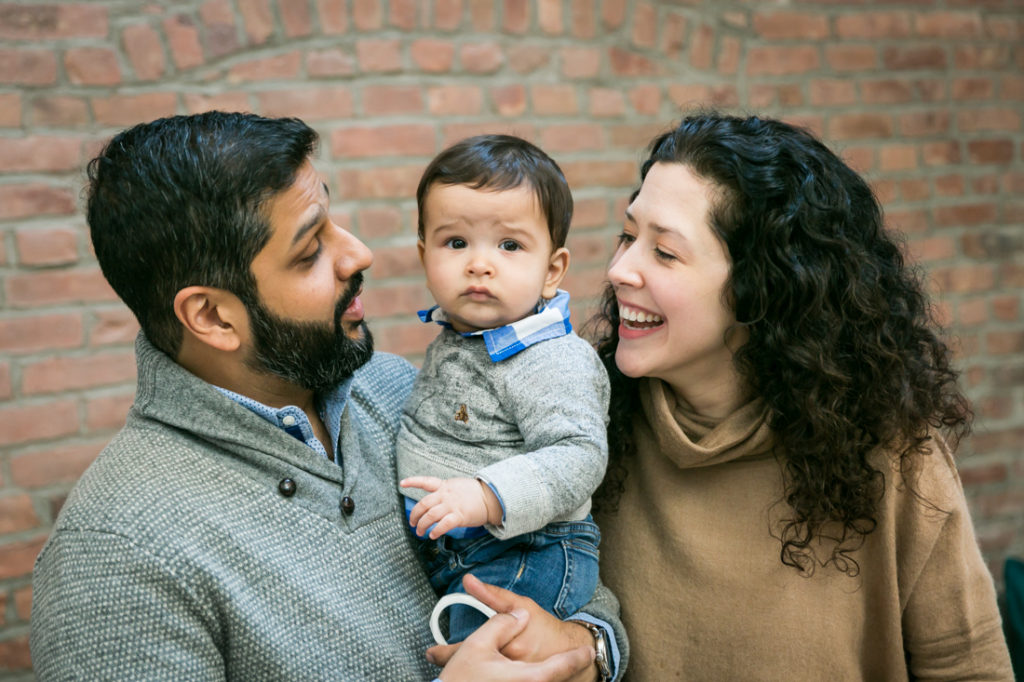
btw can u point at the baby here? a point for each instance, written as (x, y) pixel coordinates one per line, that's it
(502, 441)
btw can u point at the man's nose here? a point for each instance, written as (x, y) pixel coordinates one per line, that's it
(354, 256)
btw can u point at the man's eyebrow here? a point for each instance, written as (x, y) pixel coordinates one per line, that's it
(312, 222)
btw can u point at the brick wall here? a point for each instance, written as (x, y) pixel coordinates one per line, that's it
(924, 96)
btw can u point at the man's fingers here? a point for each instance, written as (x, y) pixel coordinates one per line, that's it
(566, 664)
(499, 630)
(440, 654)
(499, 599)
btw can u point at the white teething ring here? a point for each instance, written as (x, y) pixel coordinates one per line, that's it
(455, 598)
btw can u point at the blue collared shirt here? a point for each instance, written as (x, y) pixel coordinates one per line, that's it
(549, 321)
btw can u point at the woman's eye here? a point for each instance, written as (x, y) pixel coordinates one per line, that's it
(663, 255)
(625, 238)
(456, 243)
(509, 245)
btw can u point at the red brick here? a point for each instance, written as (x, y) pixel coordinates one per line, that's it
(23, 602)
(626, 63)
(509, 100)
(925, 123)
(933, 249)
(388, 100)
(220, 37)
(278, 67)
(982, 56)
(582, 174)
(27, 290)
(459, 100)
(448, 14)
(482, 14)
(453, 132)
(673, 34)
(516, 16)
(1004, 343)
(296, 19)
(790, 25)
(990, 151)
(940, 153)
(1007, 308)
(53, 246)
(957, 25)
(20, 201)
(525, 58)
(914, 190)
(572, 137)
(258, 19)
(605, 102)
(634, 136)
(988, 120)
(126, 110)
(589, 213)
(645, 99)
(852, 57)
(433, 56)
(378, 56)
(40, 332)
(27, 66)
(40, 153)
(10, 110)
(379, 183)
(583, 18)
(142, 46)
(887, 92)
(781, 61)
(911, 58)
(17, 514)
(964, 279)
(481, 57)
(51, 21)
(396, 261)
(108, 412)
(312, 104)
(378, 221)
(333, 19)
(949, 185)
(551, 100)
(62, 464)
(112, 327)
(14, 652)
(973, 89)
(396, 140)
(873, 25)
(183, 41)
(92, 66)
(38, 421)
(702, 46)
(589, 248)
(60, 112)
(549, 16)
(367, 15)
(965, 215)
(580, 62)
(196, 103)
(5, 383)
(1012, 87)
(645, 25)
(402, 14)
(395, 300)
(994, 472)
(856, 126)
(613, 13)
(832, 92)
(329, 63)
(408, 339)
(585, 283)
(729, 55)
(63, 373)
(898, 157)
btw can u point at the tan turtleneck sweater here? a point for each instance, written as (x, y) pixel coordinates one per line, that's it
(691, 556)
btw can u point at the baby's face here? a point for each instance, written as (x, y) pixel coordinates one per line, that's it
(487, 254)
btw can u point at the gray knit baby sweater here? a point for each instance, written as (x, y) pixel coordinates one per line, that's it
(179, 555)
(532, 426)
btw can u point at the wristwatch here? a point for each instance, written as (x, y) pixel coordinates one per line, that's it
(602, 658)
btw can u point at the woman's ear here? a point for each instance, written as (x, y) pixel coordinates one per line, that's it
(558, 265)
(212, 316)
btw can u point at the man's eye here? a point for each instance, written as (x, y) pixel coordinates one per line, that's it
(510, 245)
(455, 243)
(313, 256)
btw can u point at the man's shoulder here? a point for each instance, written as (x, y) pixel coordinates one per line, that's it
(385, 382)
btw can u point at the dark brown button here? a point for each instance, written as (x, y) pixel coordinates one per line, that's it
(348, 505)
(286, 487)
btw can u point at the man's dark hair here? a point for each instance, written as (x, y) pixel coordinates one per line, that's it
(180, 202)
(501, 162)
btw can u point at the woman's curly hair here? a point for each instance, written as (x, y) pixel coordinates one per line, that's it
(842, 346)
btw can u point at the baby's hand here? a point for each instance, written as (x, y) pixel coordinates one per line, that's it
(452, 503)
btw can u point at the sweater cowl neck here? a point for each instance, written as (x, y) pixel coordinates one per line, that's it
(693, 440)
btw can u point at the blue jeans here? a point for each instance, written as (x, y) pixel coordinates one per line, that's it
(555, 566)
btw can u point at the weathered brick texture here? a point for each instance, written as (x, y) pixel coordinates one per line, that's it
(925, 98)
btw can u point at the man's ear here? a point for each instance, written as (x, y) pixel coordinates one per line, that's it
(212, 316)
(558, 265)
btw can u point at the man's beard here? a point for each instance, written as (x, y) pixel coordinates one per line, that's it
(314, 355)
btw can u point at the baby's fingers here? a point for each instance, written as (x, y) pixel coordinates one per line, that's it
(428, 483)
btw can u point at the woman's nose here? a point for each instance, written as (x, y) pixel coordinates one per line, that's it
(623, 269)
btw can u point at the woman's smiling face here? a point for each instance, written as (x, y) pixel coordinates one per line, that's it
(669, 273)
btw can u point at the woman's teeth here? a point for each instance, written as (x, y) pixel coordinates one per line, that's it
(638, 318)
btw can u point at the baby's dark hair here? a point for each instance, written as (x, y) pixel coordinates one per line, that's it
(500, 162)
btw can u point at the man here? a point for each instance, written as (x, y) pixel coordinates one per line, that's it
(245, 523)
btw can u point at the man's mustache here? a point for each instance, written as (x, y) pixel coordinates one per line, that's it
(354, 284)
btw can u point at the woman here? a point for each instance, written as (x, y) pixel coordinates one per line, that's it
(782, 501)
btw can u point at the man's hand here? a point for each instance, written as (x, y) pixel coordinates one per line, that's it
(452, 503)
(480, 657)
(543, 638)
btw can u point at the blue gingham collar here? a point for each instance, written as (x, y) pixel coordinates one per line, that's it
(550, 321)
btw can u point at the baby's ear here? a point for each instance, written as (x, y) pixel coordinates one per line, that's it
(558, 265)
(419, 248)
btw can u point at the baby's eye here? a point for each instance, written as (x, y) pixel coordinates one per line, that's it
(455, 243)
(509, 245)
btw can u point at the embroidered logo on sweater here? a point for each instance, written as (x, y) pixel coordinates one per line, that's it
(462, 415)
